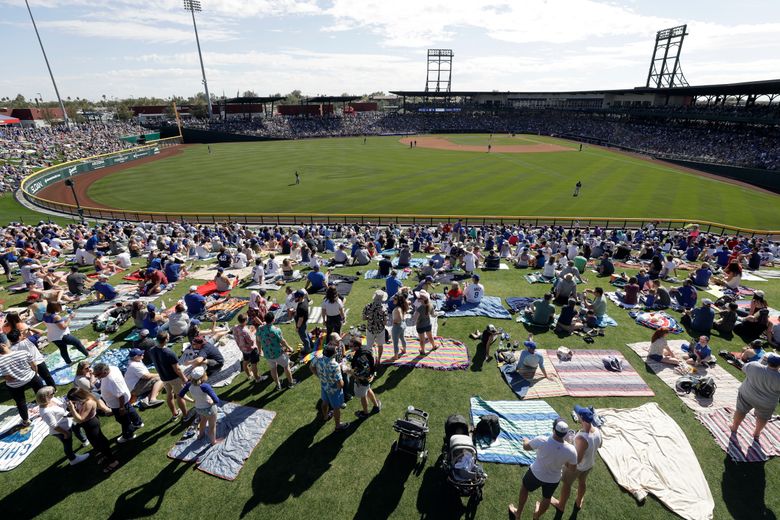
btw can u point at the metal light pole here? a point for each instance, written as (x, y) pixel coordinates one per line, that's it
(192, 6)
(56, 90)
(79, 209)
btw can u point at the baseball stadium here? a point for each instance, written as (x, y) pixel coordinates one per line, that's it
(430, 304)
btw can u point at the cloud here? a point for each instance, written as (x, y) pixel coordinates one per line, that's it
(125, 30)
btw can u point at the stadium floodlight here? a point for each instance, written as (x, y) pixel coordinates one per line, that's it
(72, 185)
(46, 59)
(192, 6)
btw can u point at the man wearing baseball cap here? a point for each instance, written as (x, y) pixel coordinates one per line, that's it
(530, 359)
(586, 442)
(552, 455)
(195, 302)
(759, 392)
(701, 318)
(142, 384)
(474, 291)
(105, 291)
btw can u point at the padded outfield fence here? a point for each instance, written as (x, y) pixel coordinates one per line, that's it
(41, 179)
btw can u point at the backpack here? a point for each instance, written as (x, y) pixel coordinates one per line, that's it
(564, 354)
(455, 425)
(612, 364)
(705, 387)
(488, 429)
(362, 366)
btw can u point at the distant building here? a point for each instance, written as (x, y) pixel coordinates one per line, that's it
(34, 117)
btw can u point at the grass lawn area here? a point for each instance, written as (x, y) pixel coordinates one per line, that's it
(301, 469)
(383, 176)
(12, 211)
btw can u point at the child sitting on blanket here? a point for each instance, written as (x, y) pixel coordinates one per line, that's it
(206, 402)
(700, 353)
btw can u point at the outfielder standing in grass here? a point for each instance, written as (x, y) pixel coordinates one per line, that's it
(577, 188)
(297, 177)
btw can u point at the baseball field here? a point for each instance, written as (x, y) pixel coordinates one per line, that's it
(442, 175)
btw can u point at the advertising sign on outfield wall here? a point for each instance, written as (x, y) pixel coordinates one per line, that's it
(53, 175)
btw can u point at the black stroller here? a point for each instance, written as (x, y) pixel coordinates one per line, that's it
(459, 459)
(412, 433)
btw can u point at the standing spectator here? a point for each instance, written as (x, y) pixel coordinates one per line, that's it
(363, 368)
(327, 369)
(55, 416)
(275, 350)
(759, 392)
(422, 320)
(18, 344)
(20, 373)
(206, 402)
(167, 365)
(57, 331)
(400, 308)
(375, 316)
(246, 344)
(115, 393)
(332, 311)
(83, 409)
(301, 318)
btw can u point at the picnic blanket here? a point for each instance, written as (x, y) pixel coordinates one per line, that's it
(606, 321)
(209, 288)
(617, 300)
(135, 276)
(772, 274)
(373, 274)
(658, 320)
(518, 303)
(208, 273)
(17, 444)
(9, 416)
(719, 291)
(489, 306)
(727, 385)
(742, 447)
(538, 278)
(414, 262)
(519, 420)
(64, 374)
(118, 357)
(750, 277)
(451, 355)
(585, 376)
(224, 310)
(501, 267)
(529, 383)
(343, 283)
(526, 318)
(230, 369)
(83, 316)
(240, 427)
(648, 453)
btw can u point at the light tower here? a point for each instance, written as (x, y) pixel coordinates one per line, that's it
(439, 77)
(192, 6)
(665, 70)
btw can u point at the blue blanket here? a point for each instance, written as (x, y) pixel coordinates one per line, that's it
(606, 321)
(116, 357)
(373, 274)
(518, 303)
(490, 307)
(519, 420)
(414, 262)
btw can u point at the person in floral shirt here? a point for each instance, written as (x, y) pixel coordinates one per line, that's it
(375, 315)
(246, 344)
(275, 350)
(327, 369)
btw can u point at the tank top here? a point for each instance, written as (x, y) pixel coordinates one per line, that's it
(593, 438)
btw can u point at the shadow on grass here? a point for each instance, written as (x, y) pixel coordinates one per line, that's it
(295, 465)
(393, 380)
(384, 492)
(742, 504)
(437, 499)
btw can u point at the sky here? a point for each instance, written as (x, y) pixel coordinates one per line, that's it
(122, 48)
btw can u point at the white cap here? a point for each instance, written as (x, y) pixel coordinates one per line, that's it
(199, 372)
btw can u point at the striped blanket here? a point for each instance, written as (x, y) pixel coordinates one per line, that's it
(585, 376)
(373, 274)
(529, 383)
(451, 355)
(741, 447)
(519, 420)
(727, 384)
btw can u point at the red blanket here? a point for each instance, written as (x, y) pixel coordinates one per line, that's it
(210, 288)
(134, 276)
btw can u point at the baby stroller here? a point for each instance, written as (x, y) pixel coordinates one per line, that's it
(459, 459)
(412, 433)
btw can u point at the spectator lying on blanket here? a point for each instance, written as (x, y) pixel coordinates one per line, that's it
(426, 284)
(553, 454)
(686, 295)
(598, 304)
(759, 392)
(104, 290)
(753, 352)
(700, 353)
(659, 348)
(541, 312)
(569, 321)
(701, 276)
(153, 283)
(213, 334)
(104, 266)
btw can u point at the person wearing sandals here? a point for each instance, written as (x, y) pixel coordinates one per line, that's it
(206, 402)
(55, 416)
(400, 308)
(83, 408)
(327, 369)
(275, 350)
(422, 320)
(19, 371)
(759, 392)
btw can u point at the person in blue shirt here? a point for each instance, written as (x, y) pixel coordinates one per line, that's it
(152, 320)
(195, 302)
(92, 242)
(105, 290)
(437, 260)
(701, 318)
(700, 353)
(721, 256)
(753, 352)
(316, 280)
(701, 277)
(686, 295)
(173, 270)
(529, 359)
(692, 253)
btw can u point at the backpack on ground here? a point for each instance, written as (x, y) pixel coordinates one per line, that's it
(488, 429)
(705, 387)
(612, 363)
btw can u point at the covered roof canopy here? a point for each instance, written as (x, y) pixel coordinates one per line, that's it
(332, 99)
(252, 100)
(8, 120)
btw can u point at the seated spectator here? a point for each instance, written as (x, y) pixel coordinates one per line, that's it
(700, 353)
(568, 320)
(195, 302)
(542, 312)
(105, 291)
(598, 304)
(686, 295)
(474, 291)
(659, 348)
(530, 358)
(144, 386)
(454, 297)
(605, 267)
(727, 319)
(701, 277)
(700, 319)
(316, 281)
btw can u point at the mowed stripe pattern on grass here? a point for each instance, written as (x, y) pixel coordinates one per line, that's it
(343, 175)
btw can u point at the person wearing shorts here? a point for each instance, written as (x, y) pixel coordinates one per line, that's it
(759, 392)
(552, 455)
(274, 350)
(363, 369)
(327, 369)
(167, 365)
(206, 402)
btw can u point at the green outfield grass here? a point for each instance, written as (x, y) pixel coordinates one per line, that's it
(384, 176)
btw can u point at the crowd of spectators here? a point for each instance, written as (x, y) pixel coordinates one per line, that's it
(754, 146)
(23, 150)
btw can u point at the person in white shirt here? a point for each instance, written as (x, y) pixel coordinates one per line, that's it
(474, 291)
(587, 441)
(55, 416)
(115, 393)
(552, 454)
(470, 262)
(123, 260)
(202, 251)
(142, 384)
(272, 270)
(258, 272)
(240, 260)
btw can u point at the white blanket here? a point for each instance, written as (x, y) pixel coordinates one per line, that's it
(648, 453)
(208, 273)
